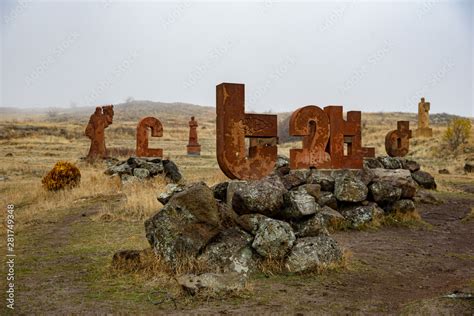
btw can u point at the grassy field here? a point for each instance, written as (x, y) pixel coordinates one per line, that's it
(65, 240)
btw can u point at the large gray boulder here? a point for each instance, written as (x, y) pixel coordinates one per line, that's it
(327, 199)
(310, 227)
(171, 171)
(349, 188)
(312, 189)
(168, 193)
(312, 253)
(410, 165)
(293, 180)
(358, 215)
(390, 162)
(230, 251)
(264, 196)
(251, 222)
(298, 204)
(273, 239)
(331, 217)
(424, 179)
(220, 190)
(383, 191)
(372, 163)
(185, 224)
(391, 173)
(141, 173)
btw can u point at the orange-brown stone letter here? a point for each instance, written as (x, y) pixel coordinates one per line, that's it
(346, 133)
(397, 142)
(233, 126)
(312, 123)
(142, 137)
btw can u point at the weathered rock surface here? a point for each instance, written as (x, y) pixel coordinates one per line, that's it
(273, 239)
(230, 251)
(322, 178)
(310, 227)
(312, 253)
(372, 163)
(171, 171)
(424, 179)
(298, 204)
(327, 199)
(390, 162)
(383, 191)
(263, 196)
(348, 188)
(143, 168)
(215, 282)
(331, 217)
(169, 191)
(141, 173)
(312, 189)
(185, 224)
(410, 165)
(220, 190)
(391, 173)
(356, 216)
(251, 222)
(292, 180)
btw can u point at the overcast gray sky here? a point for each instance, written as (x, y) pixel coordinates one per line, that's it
(369, 56)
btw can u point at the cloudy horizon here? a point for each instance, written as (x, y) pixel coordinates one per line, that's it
(370, 56)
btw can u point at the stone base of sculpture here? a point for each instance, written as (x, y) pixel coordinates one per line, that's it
(194, 150)
(424, 132)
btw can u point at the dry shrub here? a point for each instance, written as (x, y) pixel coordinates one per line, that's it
(457, 133)
(64, 175)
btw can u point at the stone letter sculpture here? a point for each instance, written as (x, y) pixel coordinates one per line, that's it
(424, 129)
(98, 122)
(193, 148)
(142, 137)
(346, 133)
(313, 124)
(233, 126)
(397, 142)
(325, 134)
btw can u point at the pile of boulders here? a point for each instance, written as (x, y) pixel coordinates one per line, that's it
(134, 169)
(235, 226)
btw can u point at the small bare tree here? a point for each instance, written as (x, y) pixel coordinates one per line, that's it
(457, 132)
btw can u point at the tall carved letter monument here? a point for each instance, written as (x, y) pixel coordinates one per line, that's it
(194, 149)
(424, 129)
(102, 118)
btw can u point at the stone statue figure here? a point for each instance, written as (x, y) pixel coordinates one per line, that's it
(95, 131)
(193, 148)
(424, 129)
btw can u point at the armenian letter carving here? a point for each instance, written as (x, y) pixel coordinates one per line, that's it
(397, 142)
(233, 126)
(156, 128)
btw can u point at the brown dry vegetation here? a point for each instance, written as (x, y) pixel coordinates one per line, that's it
(67, 238)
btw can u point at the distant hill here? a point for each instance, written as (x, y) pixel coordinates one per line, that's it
(128, 111)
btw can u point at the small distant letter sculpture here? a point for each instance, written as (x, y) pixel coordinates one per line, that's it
(424, 129)
(397, 142)
(194, 149)
(142, 137)
(233, 126)
(98, 122)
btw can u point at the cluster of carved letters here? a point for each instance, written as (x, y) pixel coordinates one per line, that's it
(328, 140)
